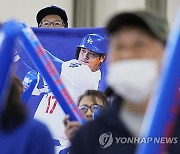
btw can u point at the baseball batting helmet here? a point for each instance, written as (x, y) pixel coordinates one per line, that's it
(95, 43)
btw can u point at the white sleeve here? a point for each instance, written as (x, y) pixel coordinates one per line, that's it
(78, 78)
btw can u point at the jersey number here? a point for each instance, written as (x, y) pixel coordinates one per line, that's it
(53, 100)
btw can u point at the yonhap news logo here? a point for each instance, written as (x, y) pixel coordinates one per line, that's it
(107, 139)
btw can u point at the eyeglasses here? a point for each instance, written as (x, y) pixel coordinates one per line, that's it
(93, 108)
(55, 24)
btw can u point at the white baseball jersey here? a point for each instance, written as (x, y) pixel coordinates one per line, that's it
(78, 78)
(50, 113)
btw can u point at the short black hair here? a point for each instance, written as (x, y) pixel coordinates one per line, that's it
(93, 94)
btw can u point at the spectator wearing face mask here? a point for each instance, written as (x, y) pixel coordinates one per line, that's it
(136, 45)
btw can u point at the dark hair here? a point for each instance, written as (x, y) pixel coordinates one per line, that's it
(14, 113)
(108, 92)
(78, 49)
(94, 94)
(121, 21)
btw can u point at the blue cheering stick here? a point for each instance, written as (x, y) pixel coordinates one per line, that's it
(49, 72)
(8, 36)
(12, 30)
(163, 108)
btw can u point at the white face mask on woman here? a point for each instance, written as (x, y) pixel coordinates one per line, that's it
(133, 80)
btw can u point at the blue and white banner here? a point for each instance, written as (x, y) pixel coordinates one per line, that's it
(60, 44)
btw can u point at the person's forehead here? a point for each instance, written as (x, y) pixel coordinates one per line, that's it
(52, 17)
(86, 100)
(130, 31)
(88, 50)
(85, 49)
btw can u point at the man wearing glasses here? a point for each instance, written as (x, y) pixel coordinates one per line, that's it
(52, 17)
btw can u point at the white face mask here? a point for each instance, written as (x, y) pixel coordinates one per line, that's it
(133, 80)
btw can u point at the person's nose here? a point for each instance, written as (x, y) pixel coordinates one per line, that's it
(89, 114)
(86, 55)
(51, 25)
(124, 55)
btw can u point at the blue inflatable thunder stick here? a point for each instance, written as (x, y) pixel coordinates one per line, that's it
(12, 30)
(8, 34)
(163, 108)
(49, 72)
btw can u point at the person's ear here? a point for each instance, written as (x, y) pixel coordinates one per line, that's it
(102, 58)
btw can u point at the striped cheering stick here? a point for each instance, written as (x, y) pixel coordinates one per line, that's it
(163, 108)
(49, 72)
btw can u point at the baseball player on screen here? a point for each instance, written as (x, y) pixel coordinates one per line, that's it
(83, 73)
(78, 75)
